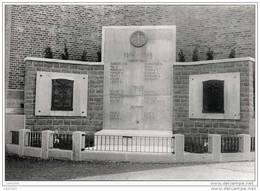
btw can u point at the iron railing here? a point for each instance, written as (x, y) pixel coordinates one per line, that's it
(252, 148)
(129, 143)
(230, 144)
(62, 141)
(193, 144)
(15, 137)
(196, 144)
(34, 139)
(89, 140)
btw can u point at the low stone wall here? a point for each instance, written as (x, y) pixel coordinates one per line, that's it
(81, 153)
(185, 125)
(94, 119)
(181, 72)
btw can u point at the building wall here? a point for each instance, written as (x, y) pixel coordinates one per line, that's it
(182, 122)
(94, 119)
(33, 27)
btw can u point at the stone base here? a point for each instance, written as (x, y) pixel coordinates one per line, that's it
(148, 133)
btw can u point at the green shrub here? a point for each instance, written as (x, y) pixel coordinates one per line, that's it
(195, 54)
(181, 56)
(48, 52)
(232, 53)
(210, 54)
(65, 55)
(84, 56)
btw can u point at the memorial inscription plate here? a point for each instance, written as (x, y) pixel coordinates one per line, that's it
(213, 96)
(62, 95)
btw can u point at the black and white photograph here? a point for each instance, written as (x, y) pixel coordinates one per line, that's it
(129, 93)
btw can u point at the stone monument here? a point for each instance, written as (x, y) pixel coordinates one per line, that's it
(138, 80)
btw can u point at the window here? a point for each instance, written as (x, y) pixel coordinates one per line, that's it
(213, 96)
(62, 95)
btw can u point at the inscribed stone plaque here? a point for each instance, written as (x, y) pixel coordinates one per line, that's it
(61, 94)
(138, 77)
(230, 91)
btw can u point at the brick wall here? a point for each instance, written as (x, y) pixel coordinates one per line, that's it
(33, 27)
(181, 121)
(94, 119)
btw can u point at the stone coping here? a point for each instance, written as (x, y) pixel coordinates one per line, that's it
(175, 63)
(62, 61)
(214, 61)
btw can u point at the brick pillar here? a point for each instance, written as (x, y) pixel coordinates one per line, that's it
(244, 143)
(179, 147)
(215, 146)
(47, 137)
(78, 142)
(23, 140)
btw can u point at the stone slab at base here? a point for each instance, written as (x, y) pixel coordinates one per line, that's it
(128, 157)
(147, 133)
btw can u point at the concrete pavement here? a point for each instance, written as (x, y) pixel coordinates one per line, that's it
(217, 171)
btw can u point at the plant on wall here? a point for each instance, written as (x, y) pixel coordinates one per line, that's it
(48, 52)
(84, 56)
(181, 56)
(195, 54)
(210, 54)
(232, 53)
(65, 55)
(99, 56)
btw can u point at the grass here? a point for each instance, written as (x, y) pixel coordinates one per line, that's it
(34, 169)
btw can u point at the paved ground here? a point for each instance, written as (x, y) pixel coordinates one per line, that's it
(217, 171)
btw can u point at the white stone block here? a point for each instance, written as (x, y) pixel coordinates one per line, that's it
(245, 143)
(179, 147)
(77, 144)
(47, 139)
(23, 140)
(215, 146)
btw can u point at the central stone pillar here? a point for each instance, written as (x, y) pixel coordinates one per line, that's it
(138, 80)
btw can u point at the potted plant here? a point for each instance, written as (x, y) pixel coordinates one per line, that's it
(195, 54)
(48, 52)
(181, 56)
(84, 56)
(210, 54)
(65, 55)
(232, 53)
